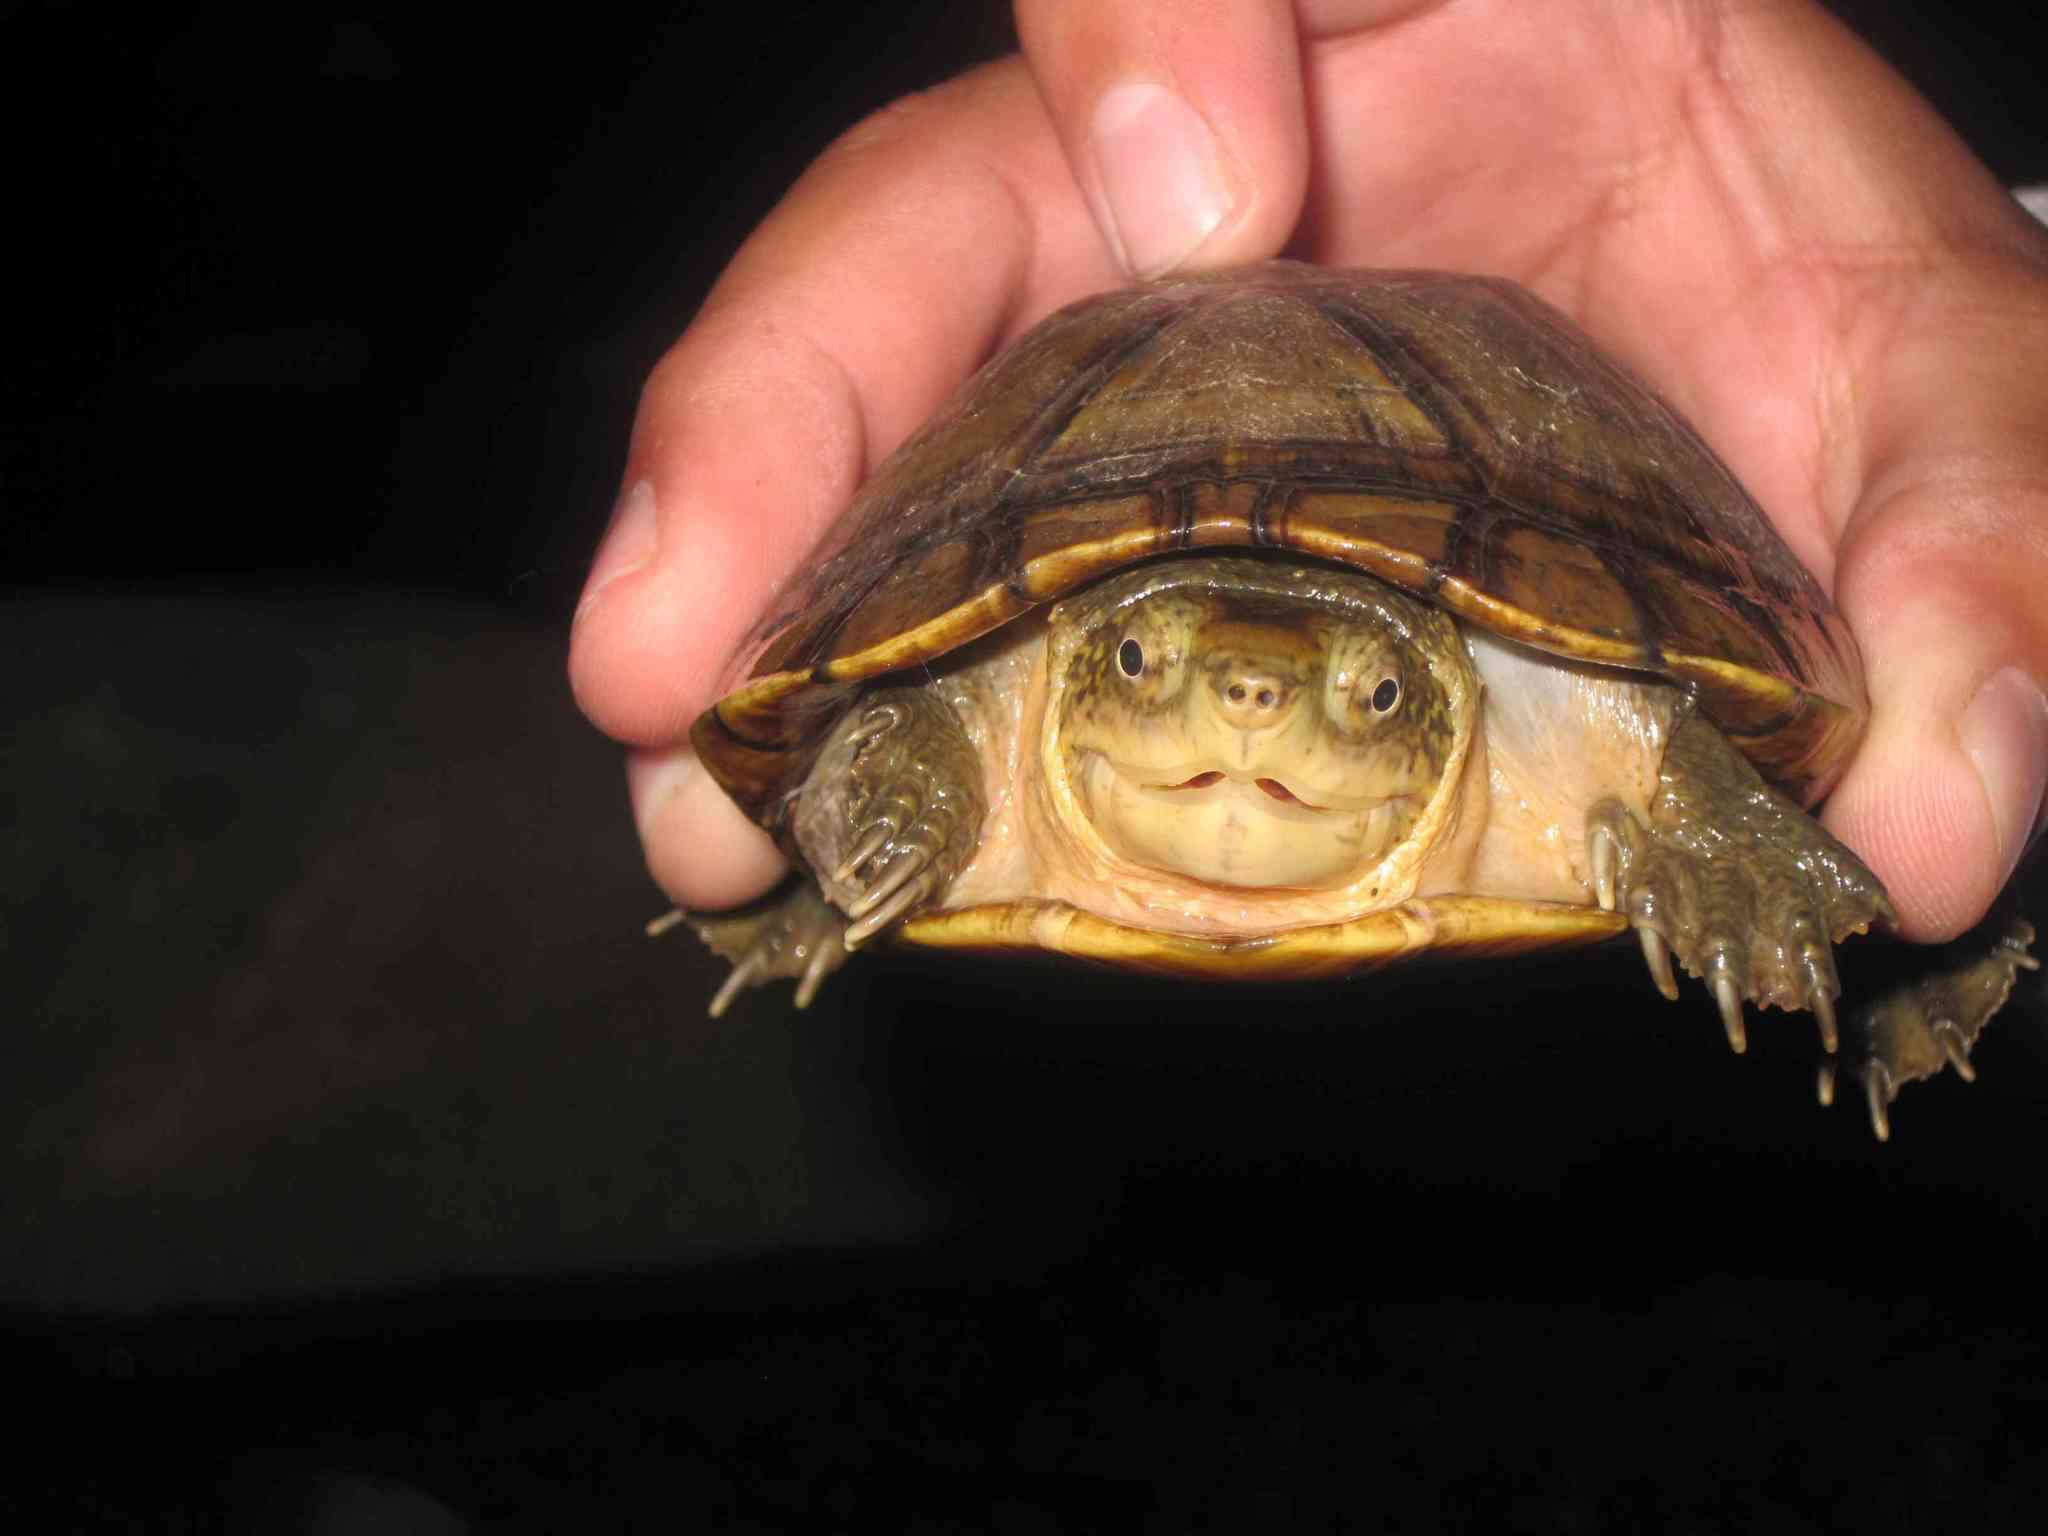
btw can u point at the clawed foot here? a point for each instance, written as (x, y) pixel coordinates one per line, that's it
(1732, 879)
(1931, 1025)
(1749, 894)
(892, 809)
(1751, 934)
(894, 864)
(792, 933)
(889, 813)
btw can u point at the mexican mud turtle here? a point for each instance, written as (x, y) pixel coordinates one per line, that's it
(1285, 621)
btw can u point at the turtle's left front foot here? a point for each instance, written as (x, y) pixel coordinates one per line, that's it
(1731, 877)
(1931, 1024)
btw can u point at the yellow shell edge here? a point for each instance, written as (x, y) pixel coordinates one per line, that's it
(1446, 925)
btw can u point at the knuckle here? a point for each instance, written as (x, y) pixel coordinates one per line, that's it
(901, 121)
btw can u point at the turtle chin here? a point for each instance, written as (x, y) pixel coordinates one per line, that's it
(1252, 833)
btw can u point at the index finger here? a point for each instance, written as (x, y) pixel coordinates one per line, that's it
(901, 259)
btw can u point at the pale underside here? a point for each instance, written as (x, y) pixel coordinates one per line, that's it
(1500, 864)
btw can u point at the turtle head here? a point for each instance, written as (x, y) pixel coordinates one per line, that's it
(1256, 725)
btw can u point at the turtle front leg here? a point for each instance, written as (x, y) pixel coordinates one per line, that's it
(1748, 891)
(890, 813)
(893, 808)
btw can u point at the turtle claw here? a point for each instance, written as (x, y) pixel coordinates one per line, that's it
(1823, 1008)
(1603, 853)
(1657, 955)
(879, 718)
(890, 878)
(1955, 1048)
(826, 957)
(737, 980)
(1730, 1004)
(1824, 1084)
(1878, 1092)
(902, 873)
(868, 847)
(871, 919)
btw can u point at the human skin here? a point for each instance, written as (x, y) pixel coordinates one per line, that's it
(1738, 200)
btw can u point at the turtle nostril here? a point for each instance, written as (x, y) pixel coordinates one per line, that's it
(1253, 697)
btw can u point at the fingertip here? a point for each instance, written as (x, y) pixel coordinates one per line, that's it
(1912, 807)
(701, 850)
(2004, 734)
(607, 670)
(1939, 573)
(1942, 802)
(650, 644)
(1189, 141)
(1160, 184)
(628, 544)
(748, 445)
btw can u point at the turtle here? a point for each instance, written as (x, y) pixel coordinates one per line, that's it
(1285, 621)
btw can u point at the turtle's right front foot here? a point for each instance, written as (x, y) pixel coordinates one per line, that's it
(893, 809)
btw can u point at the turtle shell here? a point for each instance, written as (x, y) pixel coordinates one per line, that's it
(1452, 435)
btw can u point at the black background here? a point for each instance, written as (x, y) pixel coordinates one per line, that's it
(369, 299)
(370, 1164)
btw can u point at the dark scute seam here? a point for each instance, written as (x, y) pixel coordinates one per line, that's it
(1262, 499)
(1177, 514)
(745, 743)
(1768, 728)
(1415, 380)
(825, 639)
(1087, 382)
(1765, 622)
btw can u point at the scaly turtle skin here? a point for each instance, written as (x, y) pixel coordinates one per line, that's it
(1285, 621)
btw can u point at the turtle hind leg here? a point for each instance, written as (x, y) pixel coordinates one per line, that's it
(1930, 1025)
(1735, 881)
(793, 932)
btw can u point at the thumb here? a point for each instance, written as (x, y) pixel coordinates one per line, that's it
(1189, 139)
(1944, 588)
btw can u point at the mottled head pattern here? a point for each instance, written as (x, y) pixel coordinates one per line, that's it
(1255, 724)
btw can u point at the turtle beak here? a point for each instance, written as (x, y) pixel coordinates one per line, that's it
(1270, 786)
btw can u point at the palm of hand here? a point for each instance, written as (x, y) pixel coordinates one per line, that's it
(1741, 203)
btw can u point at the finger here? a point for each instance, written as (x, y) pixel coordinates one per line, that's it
(1941, 573)
(894, 266)
(1184, 125)
(699, 848)
(901, 259)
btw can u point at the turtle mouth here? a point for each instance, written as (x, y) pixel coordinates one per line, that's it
(1244, 828)
(1270, 786)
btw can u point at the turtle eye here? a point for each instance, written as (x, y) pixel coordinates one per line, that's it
(1130, 658)
(1386, 696)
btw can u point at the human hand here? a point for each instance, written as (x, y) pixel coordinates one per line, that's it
(1739, 201)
